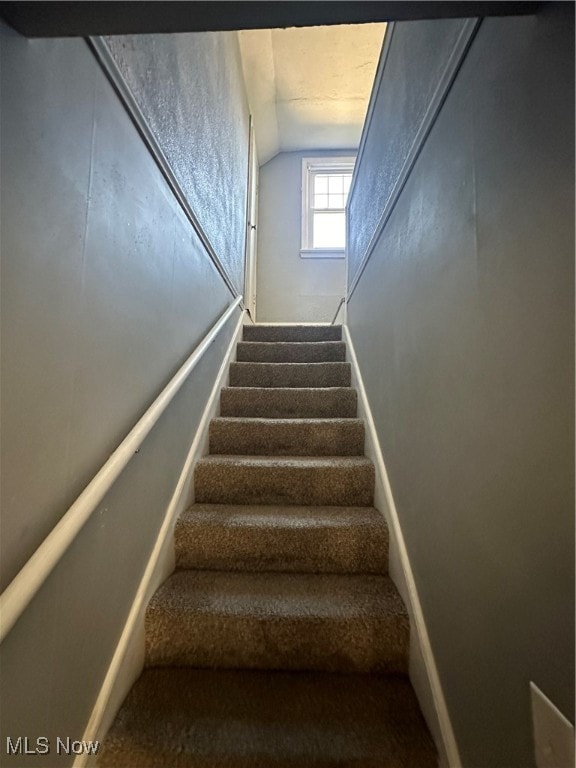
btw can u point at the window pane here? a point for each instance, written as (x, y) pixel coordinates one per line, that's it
(335, 183)
(320, 201)
(320, 184)
(336, 201)
(347, 180)
(329, 230)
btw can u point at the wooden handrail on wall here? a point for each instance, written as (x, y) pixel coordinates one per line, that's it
(19, 593)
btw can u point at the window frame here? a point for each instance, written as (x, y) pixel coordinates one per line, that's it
(312, 166)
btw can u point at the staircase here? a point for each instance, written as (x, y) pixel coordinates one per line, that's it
(280, 639)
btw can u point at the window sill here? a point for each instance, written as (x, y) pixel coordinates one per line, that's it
(322, 253)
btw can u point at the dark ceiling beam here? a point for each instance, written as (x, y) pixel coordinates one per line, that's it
(83, 19)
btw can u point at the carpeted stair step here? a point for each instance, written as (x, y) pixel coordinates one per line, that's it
(287, 437)
(275, 538)
(292, 333)
(290, 374)
(284, 403)
(291, 480)
(333, 623)
(198, 718)
(291, 352)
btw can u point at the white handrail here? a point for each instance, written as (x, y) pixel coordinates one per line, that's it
(21, 590)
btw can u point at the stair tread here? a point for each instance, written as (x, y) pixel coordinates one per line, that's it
(320, 462)
(293, 326)
(277, 596)
(335, 364)
(302, 519)
(264, 436)
(284, 375)
(294, 391)
(250, 719)
(306, 539)
(331, 515)
(320, 437)
(292, 332)
(273, 421)
(292, 344)
(254, 620)
(291, 351)
(289, 402)
(297, 480)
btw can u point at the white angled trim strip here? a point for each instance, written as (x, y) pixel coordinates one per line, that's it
(447, 733)
(101, 714)
(21, 590)
(461, 46)
(116, 78)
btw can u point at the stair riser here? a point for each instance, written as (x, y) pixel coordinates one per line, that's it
(289, 403)
(292, 333)
(307, 643)
(291, 352)
(322, 549)
(338, 486)
(290, 375)
(288, 438)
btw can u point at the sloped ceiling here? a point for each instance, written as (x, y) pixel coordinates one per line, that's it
(309, 87)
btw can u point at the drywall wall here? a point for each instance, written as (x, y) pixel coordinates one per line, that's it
(463, 325)
(106, 290)
(403, 96)
(291, 288)
(191, 90)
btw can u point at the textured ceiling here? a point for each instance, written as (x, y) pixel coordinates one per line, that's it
(308, 88)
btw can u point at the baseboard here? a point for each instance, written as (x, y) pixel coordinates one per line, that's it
(422, 667)
(128, 659)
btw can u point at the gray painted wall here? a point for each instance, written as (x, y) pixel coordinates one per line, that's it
(405, 93)
(191, 90)
(463, 325)
(106, 290)
(289, 288)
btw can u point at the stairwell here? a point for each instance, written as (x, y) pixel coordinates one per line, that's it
(279, 639)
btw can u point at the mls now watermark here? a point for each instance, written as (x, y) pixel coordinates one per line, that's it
(22, 745)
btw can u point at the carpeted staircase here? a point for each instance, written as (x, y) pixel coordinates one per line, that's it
(280, 639)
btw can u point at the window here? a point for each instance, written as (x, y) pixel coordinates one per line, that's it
(325, 187)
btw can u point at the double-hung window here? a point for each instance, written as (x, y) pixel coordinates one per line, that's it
(325, 187)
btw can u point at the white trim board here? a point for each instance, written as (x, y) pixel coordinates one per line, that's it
(128, 659)
(457, 55)
(423, 671)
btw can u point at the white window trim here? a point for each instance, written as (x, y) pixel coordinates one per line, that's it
(341, 163)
